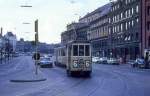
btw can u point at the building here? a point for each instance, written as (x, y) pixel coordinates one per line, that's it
(75, 31)
(20, 45)
(124, 29)
(97, 32)
(145, 24)
(12, 40)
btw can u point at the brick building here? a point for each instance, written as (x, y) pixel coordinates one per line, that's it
(124, 29)
(145, 28)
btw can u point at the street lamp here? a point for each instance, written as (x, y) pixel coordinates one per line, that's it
(26, 5)
(26, 23)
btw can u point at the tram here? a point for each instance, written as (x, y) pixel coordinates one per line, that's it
(76, 57)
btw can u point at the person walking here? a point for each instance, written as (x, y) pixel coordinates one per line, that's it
(146, 60)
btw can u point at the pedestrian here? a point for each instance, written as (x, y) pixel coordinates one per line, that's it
(146, 60)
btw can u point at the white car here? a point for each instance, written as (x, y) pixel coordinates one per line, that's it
(113, 61)
(95, 59)
(46, 62)
(103, 60)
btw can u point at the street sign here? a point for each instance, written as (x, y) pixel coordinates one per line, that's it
(36, 56)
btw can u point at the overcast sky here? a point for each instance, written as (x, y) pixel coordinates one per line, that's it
(53, 16)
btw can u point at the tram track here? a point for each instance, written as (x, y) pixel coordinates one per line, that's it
(121, 78)
(101, 84)
(54, 89)
(92, 87)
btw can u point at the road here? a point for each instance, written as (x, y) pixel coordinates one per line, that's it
(106, 80)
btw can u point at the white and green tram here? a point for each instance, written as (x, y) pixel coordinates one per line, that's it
(76, 57)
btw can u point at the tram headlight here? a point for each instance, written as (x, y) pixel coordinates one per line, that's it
(75, 64)
(87, 63)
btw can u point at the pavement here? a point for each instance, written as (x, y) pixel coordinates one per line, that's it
(106, 80)
(30, 77)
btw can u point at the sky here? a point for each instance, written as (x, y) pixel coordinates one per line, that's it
(53, 16)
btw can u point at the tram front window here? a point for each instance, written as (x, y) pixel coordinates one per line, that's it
(81, 50)
(75, 50)
(87, 50)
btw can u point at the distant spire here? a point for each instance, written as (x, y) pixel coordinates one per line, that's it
(1, 31)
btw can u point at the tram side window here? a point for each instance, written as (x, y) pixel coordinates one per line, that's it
(75, 50)
(81, 50)
(87, 50)
(63, 52)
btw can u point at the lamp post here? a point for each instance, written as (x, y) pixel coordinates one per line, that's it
(36, 43)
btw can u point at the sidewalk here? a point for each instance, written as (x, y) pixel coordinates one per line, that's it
(29, 77)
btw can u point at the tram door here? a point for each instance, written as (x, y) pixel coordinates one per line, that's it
(69, 57)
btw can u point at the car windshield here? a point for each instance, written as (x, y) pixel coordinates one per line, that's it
(45, 59)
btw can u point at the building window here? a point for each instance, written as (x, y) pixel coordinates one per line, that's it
(121, 27)
(132, 23)
(132, 12)
(149, 41)
(148, 25)
(129, 12)
(126, 14)
(121, 15)
(148, 10)
(118, 28)
(137, 36)
(137, 8)
(137, 20)
(126, 25)
(126, 1)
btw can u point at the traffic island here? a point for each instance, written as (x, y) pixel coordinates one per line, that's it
(29, 77)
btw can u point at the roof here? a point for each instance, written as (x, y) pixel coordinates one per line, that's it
(10, 34)
(76, 25)
(103, 10)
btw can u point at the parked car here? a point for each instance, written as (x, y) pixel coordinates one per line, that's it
(113, 61)
(140, 62)
(46, 63)
(103, 60)
(95, 59)
(132, 63)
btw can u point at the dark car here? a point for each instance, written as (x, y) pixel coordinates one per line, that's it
(46, 62)
(139, 62)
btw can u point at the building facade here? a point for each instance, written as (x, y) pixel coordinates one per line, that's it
(124, 29)
(97, 32)
(145, 24)
(75, 31)
(12, 40)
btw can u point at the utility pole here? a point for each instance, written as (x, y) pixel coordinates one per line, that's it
(36, 43)
(1, 45)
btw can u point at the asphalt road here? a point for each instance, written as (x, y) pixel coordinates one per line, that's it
(106, 80)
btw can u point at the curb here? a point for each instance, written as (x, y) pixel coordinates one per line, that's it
(44, 79)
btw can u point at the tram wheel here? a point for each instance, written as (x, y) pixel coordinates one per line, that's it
(87, 74)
